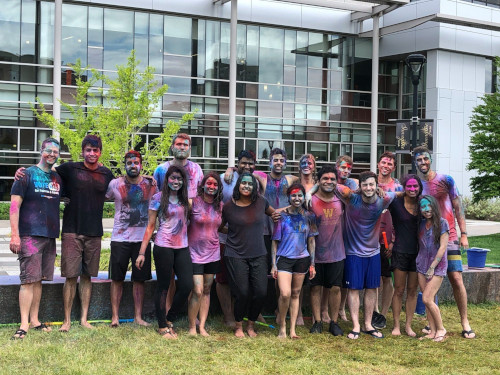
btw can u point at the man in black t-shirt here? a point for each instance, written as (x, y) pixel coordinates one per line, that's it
(85, 184)
(34, 220)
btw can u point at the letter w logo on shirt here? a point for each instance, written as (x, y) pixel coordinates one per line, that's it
(328, 212)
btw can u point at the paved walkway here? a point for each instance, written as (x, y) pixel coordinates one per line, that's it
(10, 266)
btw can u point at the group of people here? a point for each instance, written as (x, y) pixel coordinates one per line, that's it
(339, 234)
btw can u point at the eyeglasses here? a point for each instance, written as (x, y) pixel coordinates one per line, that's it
(49, 151)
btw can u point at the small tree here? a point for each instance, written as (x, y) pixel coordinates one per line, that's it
(485, 146)
(130, 102)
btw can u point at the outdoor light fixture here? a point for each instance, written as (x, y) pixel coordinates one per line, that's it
(415, 62)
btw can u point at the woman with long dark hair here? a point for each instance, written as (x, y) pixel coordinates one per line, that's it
(203, 238)
(245, 254)
(432, 262)
(171, 252)
(405, 218)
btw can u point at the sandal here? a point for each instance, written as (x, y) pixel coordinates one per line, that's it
(167, 333)
(426, 330)
(467, 334)
(42, 327)
(21, 334)
(355, 335)
(170, 325)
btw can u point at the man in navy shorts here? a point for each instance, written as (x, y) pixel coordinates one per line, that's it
(362, 264)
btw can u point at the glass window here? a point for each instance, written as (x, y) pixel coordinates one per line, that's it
(271, 62)
(74, 34)
(95, 38)
(212, 54)
(177, 65)
(8, 139)
(118, 37)
(156, 42)
(28, 25)
(211, 147)
(300, 149)
(319, 150)
(177, 31)
(46, 33)
(361, 153)
(334, 152)
(141, 38)
(27, 140)
(10, 24)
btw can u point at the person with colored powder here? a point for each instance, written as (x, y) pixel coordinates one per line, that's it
(386, 166)
(362, 264)
(246, 163)
(293, 254)
(330, 253)
(85, 184)
(432, 262)
(404, 211)
(344, 165)
(171, 251)
(131, 194)
(203, 239)
(34, 223)
(443, 188)
(245, 252)
(180, 149)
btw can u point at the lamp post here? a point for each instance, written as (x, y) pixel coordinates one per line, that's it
(415, 62)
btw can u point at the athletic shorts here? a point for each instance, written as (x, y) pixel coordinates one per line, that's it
(124, 252)
(293, 265)
(36, 259)
(385, 265)
(206, 268)
(328, 274)
(80, 255)
(222, 277)
(403, 261)
(454, 257)
(362, 272)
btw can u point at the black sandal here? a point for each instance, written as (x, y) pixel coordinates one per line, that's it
(41, 327)
(21, 334)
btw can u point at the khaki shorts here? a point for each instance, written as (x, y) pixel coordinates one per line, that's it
(80, 255)
(36, 259)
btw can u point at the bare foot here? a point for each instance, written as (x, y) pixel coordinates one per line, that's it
(115, 323)
(192, 331)
(300, 320)
(251, 332)
(325, 318)
(429, 336)
(282, 334)
(86, 324)
(238, 332)
(65, 327)
(229, 323)
(294, 336)
(410, 332)
(396, 331)
(141, 322)
(261, 319)
(440, 335)
(343, 316)
(203, 332)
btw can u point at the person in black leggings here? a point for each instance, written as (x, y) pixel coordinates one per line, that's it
(170, 250)
(245, 254)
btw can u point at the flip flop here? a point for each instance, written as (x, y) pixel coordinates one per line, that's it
(372, 333)
(439, 338)
(355, 334)
(470, 332)
(426, 330)
(21, 334)
(42, 327)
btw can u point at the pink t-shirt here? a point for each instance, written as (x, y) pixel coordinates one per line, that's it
(172, 231)
(203, 235)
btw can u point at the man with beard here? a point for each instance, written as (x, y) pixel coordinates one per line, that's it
(362, 264)
(131, 194)
(34, 220)
(330, 253)
(181, 148)
(386, 165)
(443, 188)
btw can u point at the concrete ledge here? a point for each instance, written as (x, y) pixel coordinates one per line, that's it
(482, 285)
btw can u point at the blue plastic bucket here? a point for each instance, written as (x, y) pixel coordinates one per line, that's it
(476, 257)
(420, 309)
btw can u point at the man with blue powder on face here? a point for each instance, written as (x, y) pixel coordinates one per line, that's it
(131, 194)
(34, 221)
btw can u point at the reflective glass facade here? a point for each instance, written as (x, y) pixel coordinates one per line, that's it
(300, 90)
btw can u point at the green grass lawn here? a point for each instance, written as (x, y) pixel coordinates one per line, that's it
(491, 242)
(130, 349)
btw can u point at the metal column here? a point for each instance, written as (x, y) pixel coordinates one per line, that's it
(232, 84)
(374, 108)
(56, 94)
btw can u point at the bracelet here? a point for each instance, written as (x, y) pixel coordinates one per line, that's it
(463, 234)
(142, 254)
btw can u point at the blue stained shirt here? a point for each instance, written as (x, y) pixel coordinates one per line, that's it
(292, 232)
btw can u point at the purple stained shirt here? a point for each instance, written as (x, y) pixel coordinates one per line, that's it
(172, 231)
(292, 232)
(203, 232)
(428, 250)
(131, 208)
(193, 171)
(362, 222)
(329, 242)
(443, 188)
(386, 220)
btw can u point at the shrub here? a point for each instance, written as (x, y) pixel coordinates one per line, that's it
(487, 209)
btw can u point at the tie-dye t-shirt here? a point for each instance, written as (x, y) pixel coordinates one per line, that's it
(292, 232)
(39, 211)
(194, 175)
(386, 224)
(428, 249)
(362, 222)
(203, 232)
(131, 208)
(276, 196)
(86, 189)
(443, 188)
(172, 232)
(329, 242)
